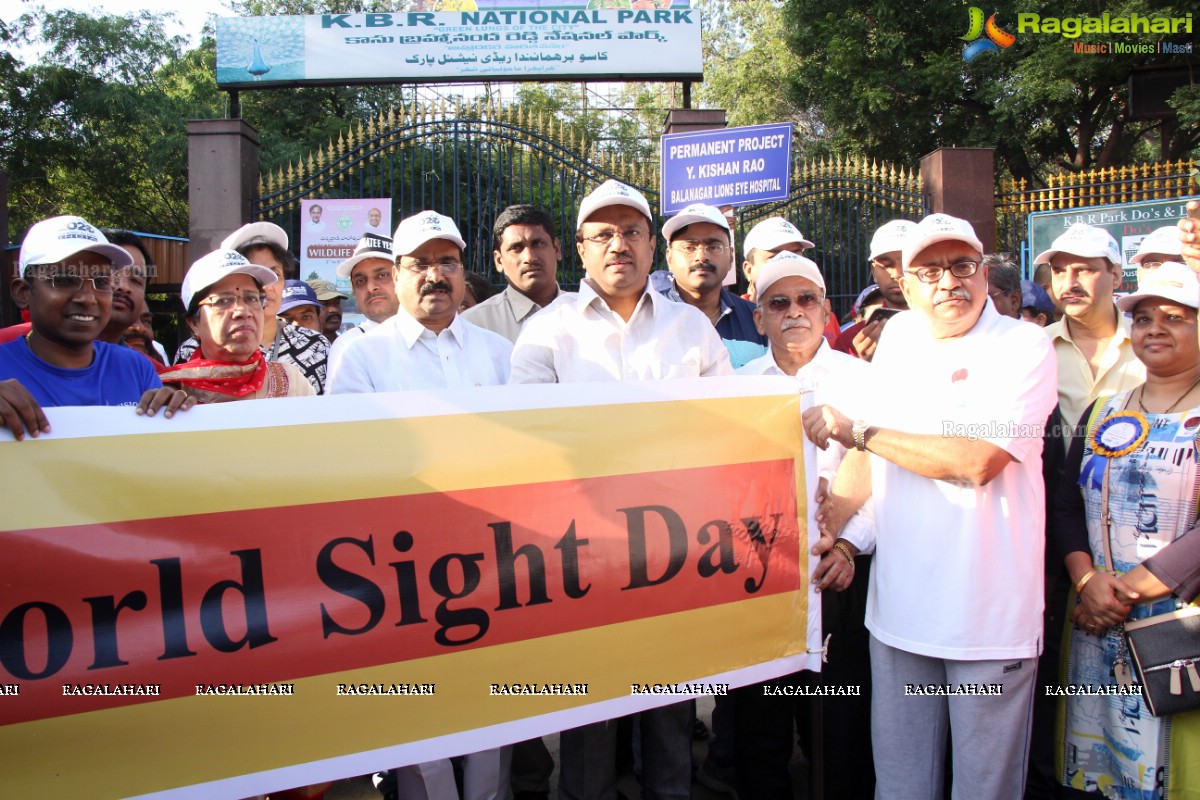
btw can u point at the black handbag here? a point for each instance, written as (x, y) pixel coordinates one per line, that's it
(1166, 658)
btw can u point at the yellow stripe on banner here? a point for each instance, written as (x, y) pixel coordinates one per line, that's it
(301, 464)
(147, 748)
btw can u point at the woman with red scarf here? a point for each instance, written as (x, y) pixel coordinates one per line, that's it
(223, 293)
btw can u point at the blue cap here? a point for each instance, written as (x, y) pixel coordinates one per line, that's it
(298, 293)
(1035, 297)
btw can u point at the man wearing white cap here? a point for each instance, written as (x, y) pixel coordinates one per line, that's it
(698, 254)
(66, 281)
(956, 480)
(1158, 247)
(771, 236)
(618, 329)
(372, 275)
(426, 344)
(265, 244)
(1091, 341)
(861, 338)
(790, 291)
(614, 329)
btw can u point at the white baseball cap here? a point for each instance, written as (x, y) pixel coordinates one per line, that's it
(371, 245)
(414, 231)
(58, 238)
(215, 266)
(1085, 241)
(696, 212)
(773, 233)
(784, 265)
(1160, 240)
(933, 229)
(889, 237)
(254, 233)
(612, 193)
(1172, 281)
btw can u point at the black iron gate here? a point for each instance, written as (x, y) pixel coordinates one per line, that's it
(837, 204)
(467, 162)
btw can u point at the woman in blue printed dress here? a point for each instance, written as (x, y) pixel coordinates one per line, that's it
(1126, 527)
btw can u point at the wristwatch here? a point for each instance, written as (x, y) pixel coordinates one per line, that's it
(859, 431)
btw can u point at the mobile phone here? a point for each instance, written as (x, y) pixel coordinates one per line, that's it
(882, 313)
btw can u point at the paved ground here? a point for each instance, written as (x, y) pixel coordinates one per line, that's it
(361, 788)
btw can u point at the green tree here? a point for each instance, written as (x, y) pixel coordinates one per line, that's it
(94, 132)
(747, 62)
(888, 80)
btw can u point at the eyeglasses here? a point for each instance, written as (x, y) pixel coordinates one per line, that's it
(605, 238)
(447, 267)
(778, 303)
(691, 248)
(1150, 264)
(70, 282)
(959, 269)
(225, 302)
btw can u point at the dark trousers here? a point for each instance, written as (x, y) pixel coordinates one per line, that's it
(765, 723)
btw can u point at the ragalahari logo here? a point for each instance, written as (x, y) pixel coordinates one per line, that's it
(977, 43)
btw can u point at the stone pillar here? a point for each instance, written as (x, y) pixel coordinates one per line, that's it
(688, 120)
(222, 180)
(961, 182)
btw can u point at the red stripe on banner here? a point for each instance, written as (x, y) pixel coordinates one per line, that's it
(276, 594)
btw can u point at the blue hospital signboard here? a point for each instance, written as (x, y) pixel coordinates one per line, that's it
(728, 166)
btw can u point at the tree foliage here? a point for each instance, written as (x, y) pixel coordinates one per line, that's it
(747, 63)
(888, 80)
(94, 130)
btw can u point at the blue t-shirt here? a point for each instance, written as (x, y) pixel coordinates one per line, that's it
(117, 376)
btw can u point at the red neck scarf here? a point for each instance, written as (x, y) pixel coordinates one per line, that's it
(214, 381)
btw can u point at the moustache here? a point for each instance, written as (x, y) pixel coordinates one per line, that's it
(426, 288)
(791, 322)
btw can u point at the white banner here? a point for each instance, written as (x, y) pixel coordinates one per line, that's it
(490, 43)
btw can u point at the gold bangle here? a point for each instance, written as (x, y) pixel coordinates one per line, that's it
(842, 547)
(1083, 581)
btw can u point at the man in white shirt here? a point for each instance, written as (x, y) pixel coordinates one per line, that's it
(617, 328)
(426, 345)
(955, 604)
(371, 271)
(527, 252)
(315, 223)
(614, 329)
(770, 237)
(790, 292)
